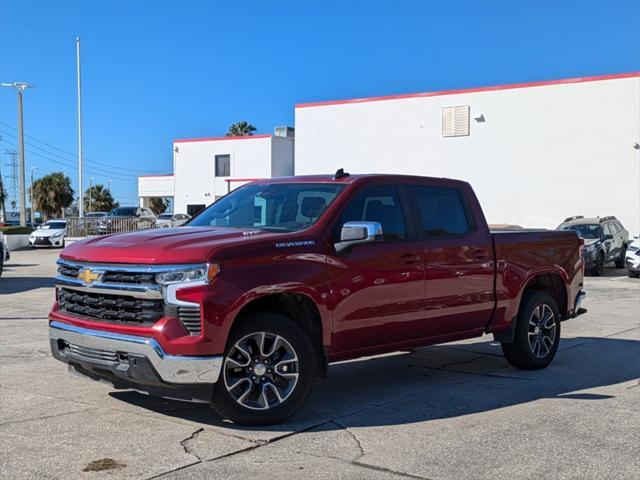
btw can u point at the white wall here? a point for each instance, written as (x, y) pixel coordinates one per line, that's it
(542, 154)
(251, 157)
(155, 186)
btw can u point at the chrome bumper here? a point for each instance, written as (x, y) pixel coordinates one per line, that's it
(97, 346)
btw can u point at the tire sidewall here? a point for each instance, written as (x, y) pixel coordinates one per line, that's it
(522, 329)
(278, 324)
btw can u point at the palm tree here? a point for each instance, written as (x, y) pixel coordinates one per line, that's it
(51, 194)
(241, 129)
(101, 199)
(158, 205)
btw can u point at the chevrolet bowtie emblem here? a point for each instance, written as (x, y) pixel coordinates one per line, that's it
(87, 276)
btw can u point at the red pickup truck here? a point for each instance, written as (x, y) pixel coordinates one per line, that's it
(245, 305)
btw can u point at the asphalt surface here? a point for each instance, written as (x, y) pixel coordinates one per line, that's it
(444, 412)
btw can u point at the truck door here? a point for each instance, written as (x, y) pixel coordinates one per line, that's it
(377, 288)
(458, 260)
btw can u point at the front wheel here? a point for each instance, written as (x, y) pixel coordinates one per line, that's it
(267, 373)
(598, 266)
(620, 258)
(537, 333)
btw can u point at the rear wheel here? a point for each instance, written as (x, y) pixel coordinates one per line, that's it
(268, 371)
(537, 333)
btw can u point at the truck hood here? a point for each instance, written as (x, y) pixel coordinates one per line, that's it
(47, 232)
(162, 246)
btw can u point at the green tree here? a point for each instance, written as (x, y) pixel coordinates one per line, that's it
(241, 129)
(158, 205)
(101, 199)
(51, 194)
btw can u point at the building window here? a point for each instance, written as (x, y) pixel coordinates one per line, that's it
(455, 121)
(223, 165)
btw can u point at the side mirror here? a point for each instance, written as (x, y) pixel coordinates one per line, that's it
(608, 237)
(354, 233)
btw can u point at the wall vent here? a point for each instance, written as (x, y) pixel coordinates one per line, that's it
(455, 121)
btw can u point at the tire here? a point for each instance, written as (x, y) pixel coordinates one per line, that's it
(633, 274)
(538, 318)
(1, 260)
(63, 243)
(283, 393)
(598, 266)
(620, 259)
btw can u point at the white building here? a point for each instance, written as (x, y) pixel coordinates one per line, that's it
(535, 153)
(204, 169)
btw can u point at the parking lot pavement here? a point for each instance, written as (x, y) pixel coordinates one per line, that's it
(444, 412)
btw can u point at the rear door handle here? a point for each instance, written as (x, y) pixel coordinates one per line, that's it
(480, 255)
(410, 258)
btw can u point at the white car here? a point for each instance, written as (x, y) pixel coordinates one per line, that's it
(632, 258)
(4, 251)
(172, 219)
(49, 234)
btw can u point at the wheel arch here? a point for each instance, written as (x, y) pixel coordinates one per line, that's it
(297, 306)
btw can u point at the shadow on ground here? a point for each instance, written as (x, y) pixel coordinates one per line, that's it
(23, 284)
(441, 382)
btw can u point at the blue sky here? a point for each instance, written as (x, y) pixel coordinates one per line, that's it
(158, 70)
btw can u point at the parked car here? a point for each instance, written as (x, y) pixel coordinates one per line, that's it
(632, 258)
(166, 220)
(5, 255)
(605, 240)
(49, 234)
(249, 302)
(124, 219)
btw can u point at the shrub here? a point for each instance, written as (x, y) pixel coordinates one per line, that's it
(13, 230)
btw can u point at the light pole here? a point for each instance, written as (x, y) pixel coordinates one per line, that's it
(20, 87)
(31, 194)
(109, 184)
(80, 203)
(90, 188)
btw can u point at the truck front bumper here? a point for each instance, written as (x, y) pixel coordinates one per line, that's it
(136, 362)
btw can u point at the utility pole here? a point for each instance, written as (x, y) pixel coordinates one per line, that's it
(90, 192)
(20, 87)
(109, 185)
(13, 176)
(81, 201)
(31, 195)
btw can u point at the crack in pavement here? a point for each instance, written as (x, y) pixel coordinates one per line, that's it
(46, 417)
(354, 437)
(186, 444)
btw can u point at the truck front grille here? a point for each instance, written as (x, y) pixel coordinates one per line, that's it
(129, 277)
(114, 308)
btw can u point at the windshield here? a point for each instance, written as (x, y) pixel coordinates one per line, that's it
(96, 214)
(165, 216)
(588, 232)
(277, 206)
(124, 212)
(55, 225)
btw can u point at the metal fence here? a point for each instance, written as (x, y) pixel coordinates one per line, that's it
(90, 226)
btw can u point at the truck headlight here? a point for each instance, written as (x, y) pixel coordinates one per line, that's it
(200, 273)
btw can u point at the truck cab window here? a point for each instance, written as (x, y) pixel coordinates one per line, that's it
(376, 204)
(441, 211)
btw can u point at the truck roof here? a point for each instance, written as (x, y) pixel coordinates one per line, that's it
(351, 178)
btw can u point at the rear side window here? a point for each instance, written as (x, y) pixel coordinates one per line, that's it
(376, 204)
(442, 211)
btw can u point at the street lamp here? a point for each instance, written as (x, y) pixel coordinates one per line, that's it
(20, 87)
(31, 194)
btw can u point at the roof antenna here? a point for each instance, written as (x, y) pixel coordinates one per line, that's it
(340, 173)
